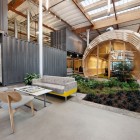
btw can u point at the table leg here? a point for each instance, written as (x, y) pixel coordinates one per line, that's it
(44, 100)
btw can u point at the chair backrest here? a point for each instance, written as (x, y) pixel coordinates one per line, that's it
(14, 96)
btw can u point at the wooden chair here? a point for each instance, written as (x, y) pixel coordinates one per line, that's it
(12, 101)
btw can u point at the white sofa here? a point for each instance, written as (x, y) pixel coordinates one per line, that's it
(61, 86)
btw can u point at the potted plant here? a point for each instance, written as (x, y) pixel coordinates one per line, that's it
(29, 77)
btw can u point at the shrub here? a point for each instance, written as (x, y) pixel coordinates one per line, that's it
(119, 93)
(122, 71)
(78, 77)
(134, 84)
(109, 102)
(131, 108)
(89, 97)
(110, 96)
(129, 99)
(29, 77)
(98, 100)
(115, 101)
(120, 106)
(114, 82)
(124, 85)
(106, 84)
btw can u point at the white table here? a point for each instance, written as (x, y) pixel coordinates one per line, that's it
(34, 91)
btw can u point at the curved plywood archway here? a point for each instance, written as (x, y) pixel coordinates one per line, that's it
(128, 36)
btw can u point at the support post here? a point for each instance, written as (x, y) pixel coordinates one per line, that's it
(40, 40)
(16, 28)
(97, 60)
(28, 25)
(109, 60)
(88, 30)
(124, 50)
(3, 16)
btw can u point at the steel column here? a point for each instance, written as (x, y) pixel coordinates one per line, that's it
(28, 25)
(4, 15)
(40, 39)
(16, 28)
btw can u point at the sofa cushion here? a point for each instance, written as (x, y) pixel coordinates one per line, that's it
(57, 80)
(53, 87)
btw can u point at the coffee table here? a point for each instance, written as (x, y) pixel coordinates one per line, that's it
(34, 91)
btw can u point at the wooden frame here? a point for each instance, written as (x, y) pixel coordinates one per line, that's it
(125, 36)
(9, 97)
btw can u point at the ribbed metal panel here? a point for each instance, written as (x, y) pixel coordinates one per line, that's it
(20, 57)
(54, 61)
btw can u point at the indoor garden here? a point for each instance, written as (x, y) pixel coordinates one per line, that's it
(121, 90)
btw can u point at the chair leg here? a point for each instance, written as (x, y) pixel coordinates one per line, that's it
(65, 98)
(32, 107)
(11, 114)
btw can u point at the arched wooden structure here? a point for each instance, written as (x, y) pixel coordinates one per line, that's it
(99, 51)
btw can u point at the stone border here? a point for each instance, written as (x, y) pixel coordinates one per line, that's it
(79, 99)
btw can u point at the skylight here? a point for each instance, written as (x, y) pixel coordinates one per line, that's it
(121, 12)
(118, 3)
(88, 2)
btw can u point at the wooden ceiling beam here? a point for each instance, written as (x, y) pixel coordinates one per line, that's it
(17, 12)
(117, 26)
(22, 33)
(15, 3)
(25, 16)
(83, 29)
(59, 18)
(122, 18)
(56, 4)
(82, 10)
(36, 2)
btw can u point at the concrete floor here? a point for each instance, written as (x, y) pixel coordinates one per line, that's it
(70, 121)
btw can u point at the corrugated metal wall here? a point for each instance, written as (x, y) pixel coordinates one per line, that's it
(54, 62)
(20, 57)
(68, 41)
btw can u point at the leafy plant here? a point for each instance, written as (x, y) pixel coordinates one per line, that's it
(124, 85)
(29, 77)
(122, 71)
(134, 85)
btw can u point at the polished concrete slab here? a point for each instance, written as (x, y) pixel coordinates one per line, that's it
(70, 121)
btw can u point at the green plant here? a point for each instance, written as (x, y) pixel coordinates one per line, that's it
(134, 85)
(124, 85)
(29, 77)
(122, 71)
